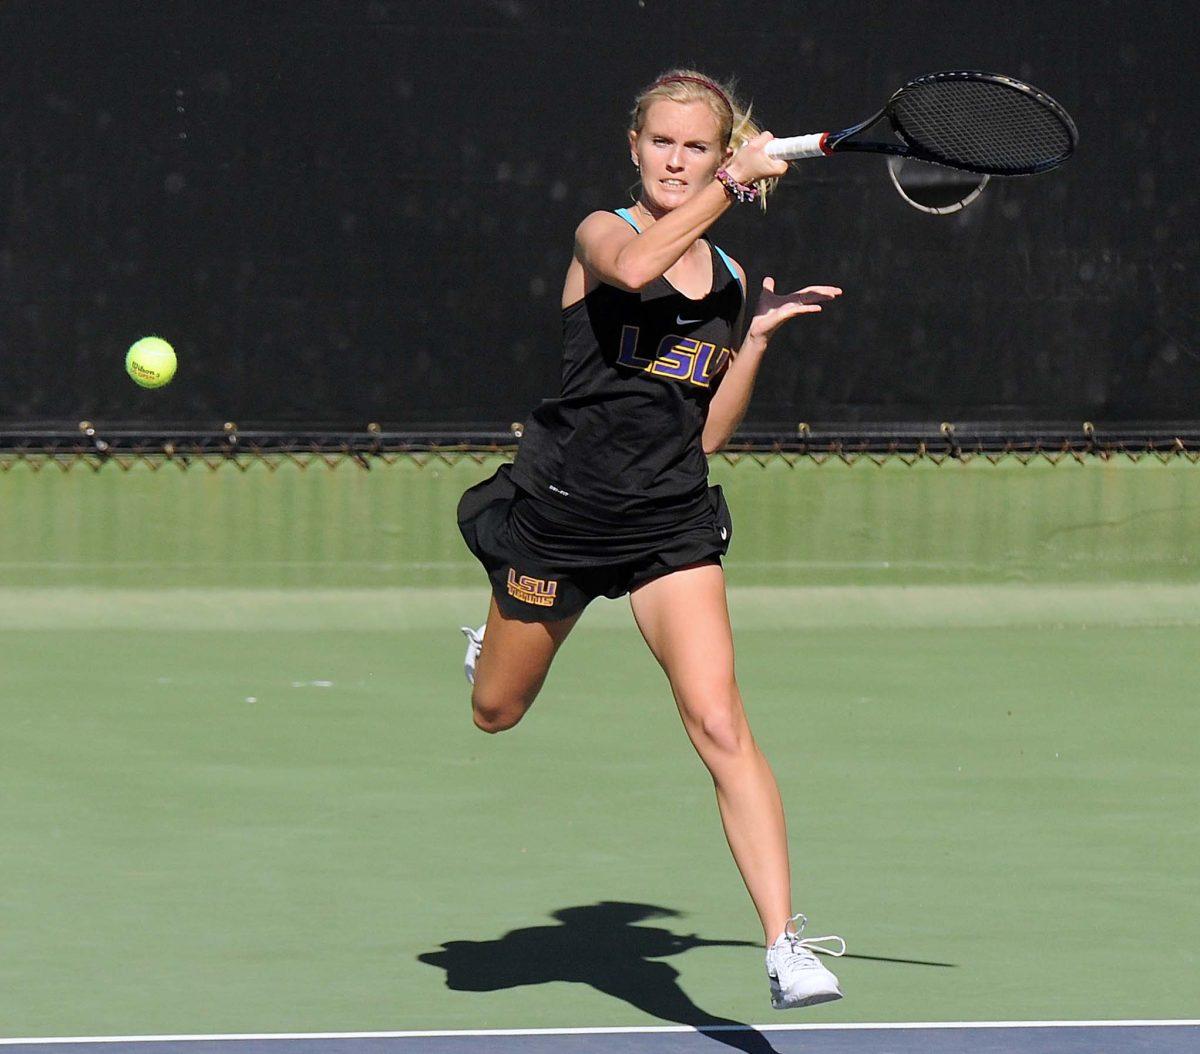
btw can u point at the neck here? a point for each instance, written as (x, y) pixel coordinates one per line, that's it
(648, 212)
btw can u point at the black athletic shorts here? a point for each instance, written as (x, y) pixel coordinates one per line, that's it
(544, 567)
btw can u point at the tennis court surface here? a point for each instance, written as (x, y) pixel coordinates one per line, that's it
(242, 796)
(979, 1038)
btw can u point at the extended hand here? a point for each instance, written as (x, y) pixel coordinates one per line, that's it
(774, 309)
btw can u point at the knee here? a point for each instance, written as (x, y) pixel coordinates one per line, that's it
(722, 729)
(492, 714)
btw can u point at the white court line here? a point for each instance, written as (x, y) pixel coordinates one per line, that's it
(650, 1029)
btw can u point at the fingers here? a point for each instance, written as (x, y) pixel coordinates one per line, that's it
(810, 293)
(785, 311)
(815, 294)
(752, 163)
(810, 298)
(778, 167)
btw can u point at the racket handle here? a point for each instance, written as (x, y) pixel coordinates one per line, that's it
(798, 146)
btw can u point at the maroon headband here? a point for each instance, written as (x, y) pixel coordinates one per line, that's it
(695, 80)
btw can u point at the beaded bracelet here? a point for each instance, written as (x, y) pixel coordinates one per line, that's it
(740, 192)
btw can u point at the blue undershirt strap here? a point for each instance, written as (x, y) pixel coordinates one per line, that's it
(627, 216)
(729, 263)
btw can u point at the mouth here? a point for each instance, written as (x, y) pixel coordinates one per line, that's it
(673, 183)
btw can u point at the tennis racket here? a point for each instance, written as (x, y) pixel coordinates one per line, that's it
(978, 122)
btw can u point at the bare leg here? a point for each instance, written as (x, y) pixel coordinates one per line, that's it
(512, 667)
(685, 621)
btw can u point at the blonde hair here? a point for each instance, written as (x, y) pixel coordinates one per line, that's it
(736, 128)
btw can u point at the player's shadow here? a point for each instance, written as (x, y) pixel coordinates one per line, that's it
(600, 945)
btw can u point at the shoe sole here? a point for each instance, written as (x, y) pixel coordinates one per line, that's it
(779, 1003)
(812, 1000)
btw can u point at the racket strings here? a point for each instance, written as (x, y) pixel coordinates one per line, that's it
(982, 124)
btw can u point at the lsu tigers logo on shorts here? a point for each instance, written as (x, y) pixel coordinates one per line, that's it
(540, 591)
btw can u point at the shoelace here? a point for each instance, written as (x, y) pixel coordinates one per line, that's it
(802, 948)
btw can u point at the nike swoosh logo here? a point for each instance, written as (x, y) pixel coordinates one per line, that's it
(681, 321)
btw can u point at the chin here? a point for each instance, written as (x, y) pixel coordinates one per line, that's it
(672, 199)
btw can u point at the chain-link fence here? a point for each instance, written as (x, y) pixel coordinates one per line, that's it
(93, 447)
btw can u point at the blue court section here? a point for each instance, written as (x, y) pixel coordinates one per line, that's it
(1175, 1038)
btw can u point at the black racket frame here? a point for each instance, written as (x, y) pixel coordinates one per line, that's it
(838, 141)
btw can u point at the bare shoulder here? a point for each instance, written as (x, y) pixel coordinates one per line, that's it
(604, 219)
(601, 224)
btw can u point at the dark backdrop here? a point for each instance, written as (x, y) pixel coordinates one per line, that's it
(342, 212)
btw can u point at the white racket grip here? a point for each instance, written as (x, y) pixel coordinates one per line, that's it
(798, 146)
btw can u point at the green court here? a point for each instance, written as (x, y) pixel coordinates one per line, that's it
(241, 791)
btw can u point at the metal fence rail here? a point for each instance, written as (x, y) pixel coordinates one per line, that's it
(122, 445)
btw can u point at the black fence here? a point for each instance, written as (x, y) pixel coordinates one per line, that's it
(94, 446)
(353, 211)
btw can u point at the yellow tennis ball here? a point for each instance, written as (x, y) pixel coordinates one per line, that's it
(150, 362)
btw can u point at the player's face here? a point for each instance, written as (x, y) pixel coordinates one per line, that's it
(677, 151)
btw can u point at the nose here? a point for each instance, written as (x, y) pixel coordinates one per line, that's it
(675, 161)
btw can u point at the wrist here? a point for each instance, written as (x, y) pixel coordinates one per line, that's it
(756, 341)
(737, 190)
(736, 170)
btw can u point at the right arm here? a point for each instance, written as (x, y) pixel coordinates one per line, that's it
(614, 253)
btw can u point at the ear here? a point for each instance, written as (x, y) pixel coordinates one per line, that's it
(633, 141)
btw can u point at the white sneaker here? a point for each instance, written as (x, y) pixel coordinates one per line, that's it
(474, 643)
(798, 978)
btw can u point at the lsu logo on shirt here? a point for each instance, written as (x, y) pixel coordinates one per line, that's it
(685, 359)
(540, 591)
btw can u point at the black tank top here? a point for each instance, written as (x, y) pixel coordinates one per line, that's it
(623, 439)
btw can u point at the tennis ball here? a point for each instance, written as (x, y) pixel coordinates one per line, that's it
(150, 362)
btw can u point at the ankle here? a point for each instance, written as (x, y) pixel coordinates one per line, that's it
(773, 931)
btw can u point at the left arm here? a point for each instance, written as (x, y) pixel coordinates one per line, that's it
(728, 406)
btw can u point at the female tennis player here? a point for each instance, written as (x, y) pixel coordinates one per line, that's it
(609, 491)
